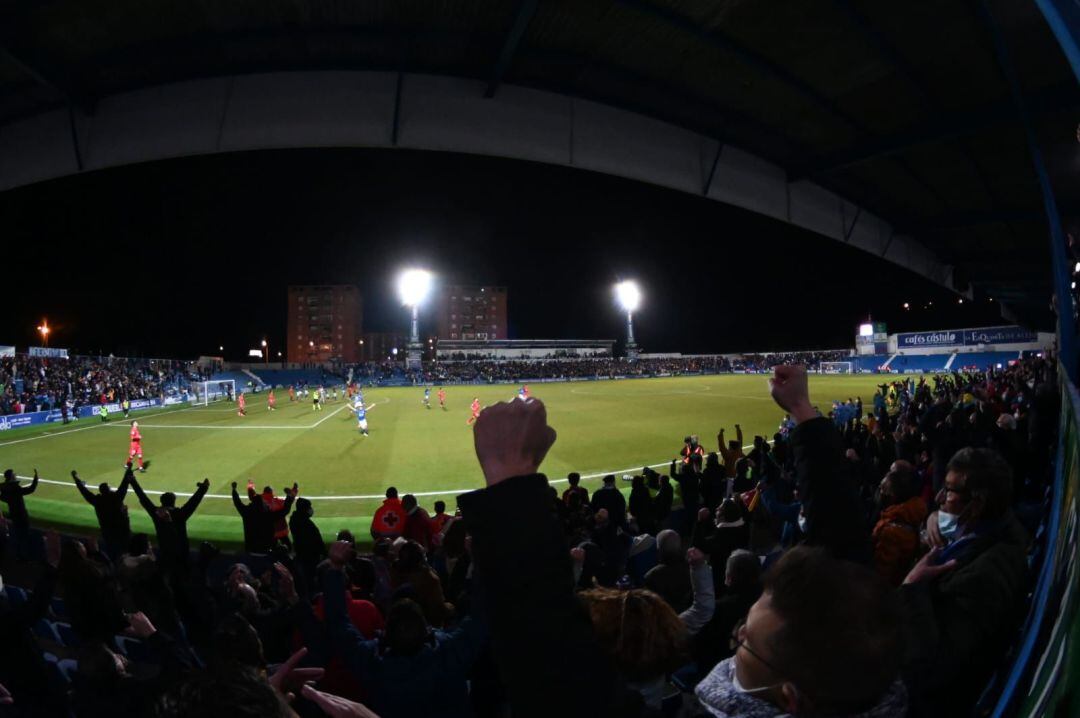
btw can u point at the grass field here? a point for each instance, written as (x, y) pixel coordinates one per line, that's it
(603, 427)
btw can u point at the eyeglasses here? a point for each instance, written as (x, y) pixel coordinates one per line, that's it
(738, 640)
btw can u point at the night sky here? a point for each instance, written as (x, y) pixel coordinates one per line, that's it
(178, 257)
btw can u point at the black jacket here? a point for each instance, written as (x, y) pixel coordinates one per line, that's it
(307, 540)
(112, 514)
(612, 500)
(12, 494)
(830, 500)
(541, 635)
(171, 524)
(259, 521)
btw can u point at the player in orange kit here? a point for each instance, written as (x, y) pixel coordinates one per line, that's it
(475, 410)
(241, 404)
(135, 449)
(442, 398)
(271, 402)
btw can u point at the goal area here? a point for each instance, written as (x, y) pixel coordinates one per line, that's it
(204, 392)
(837, 367)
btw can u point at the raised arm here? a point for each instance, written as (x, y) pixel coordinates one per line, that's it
(146, 503)
(121, 491)
(527, 581)
(90, 498)
(236, 499)
(193, 503)
(32, 487)
(738, 434)
(830, 502)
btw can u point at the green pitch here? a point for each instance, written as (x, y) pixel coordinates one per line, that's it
(603, 427)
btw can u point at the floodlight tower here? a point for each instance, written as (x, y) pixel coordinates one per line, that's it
(413, 287)
(629, 298)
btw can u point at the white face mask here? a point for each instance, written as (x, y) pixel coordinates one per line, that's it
(802, 522)
(739, 686)
(948, 524)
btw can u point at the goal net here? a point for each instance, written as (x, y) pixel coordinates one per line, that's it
(837, 367)
(204, 392)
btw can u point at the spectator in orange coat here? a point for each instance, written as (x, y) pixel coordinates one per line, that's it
(896, 534)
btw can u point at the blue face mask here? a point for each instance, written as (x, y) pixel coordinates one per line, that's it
(948, 524)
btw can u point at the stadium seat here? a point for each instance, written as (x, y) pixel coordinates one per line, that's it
(46, 631)
(67, 634)
(134, 649)
(68, 668)
(16, 596)
(58, 608)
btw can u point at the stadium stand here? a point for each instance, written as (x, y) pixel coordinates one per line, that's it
(667, 578)
(982, 361)
(904, 363)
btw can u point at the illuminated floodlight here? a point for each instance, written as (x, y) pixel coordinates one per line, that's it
(413, 286)
(866, 330)
(629, 295)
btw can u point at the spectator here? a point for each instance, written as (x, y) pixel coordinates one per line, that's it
(574, 480)
(417, 522)
(418, 672)
(112, 514)
(732, 451)
(170, 524)
(307, 541)
(670, 579)
(12, 494)
(411, 570)
(438, 521)
(641, 506)
(896, 533)
(389, 519)
(259, 520)
(960, 595)
(823, 639)
(611, 499)
(742, 588)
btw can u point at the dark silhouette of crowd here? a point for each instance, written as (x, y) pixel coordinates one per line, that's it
(872, 565)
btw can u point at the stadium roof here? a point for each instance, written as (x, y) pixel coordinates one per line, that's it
(897, 111)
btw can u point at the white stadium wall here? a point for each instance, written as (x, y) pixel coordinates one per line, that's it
(437, 113)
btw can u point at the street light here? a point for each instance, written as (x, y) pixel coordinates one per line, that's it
(43, 328)
(629, 298)
(413, 287)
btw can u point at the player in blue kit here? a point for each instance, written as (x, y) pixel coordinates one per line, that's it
(361, 417)
(427, 396)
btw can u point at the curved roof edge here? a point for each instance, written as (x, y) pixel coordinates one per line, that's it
(436, 113)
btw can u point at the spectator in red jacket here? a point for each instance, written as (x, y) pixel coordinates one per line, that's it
(389, 519)
(417, 522)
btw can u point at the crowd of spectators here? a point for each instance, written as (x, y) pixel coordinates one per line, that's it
(864, 565)
(31, 383)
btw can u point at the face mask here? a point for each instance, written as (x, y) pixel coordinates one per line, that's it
(802, 523)
(739, 686)
(948, 524)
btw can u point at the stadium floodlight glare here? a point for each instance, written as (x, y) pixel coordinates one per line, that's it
(629, 295)
(44, 330)
(413, 286)
(866, 330)
(629, 298)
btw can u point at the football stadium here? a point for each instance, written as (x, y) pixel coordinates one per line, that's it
(630, 358)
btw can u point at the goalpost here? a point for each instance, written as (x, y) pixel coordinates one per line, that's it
(837, 367)
(204, 392)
